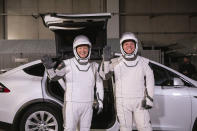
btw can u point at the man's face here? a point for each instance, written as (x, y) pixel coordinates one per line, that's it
(185, 60)
(82, 51)
(129, 47)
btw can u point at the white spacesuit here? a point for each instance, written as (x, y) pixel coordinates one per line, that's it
(80, 78)
(134, 86)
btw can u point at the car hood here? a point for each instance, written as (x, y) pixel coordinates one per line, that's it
(67, 27)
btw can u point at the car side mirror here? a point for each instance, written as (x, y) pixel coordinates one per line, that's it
(178, 82)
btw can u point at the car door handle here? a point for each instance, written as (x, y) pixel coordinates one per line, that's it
(195, 96)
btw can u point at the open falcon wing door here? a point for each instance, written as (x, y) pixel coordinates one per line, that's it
(67, 27)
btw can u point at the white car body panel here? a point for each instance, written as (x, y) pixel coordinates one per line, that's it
(174, 108)
(28, 90)
(193, 94)
(167, 103)
(164, 114)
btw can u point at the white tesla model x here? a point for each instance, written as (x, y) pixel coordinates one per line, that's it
(29, 101)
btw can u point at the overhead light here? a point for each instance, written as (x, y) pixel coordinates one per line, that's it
(21, 60)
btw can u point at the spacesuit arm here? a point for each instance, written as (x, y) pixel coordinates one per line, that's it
(150, 84)
(58, 73)
(106, 70)
(99, 88)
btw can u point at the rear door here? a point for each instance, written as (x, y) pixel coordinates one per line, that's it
(172, 110)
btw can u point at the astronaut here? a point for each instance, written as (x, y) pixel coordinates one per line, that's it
(80, 77)
(134, 84)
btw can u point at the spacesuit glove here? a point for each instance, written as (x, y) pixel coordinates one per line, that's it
(47, 62)
(147, 103)
(100, 107)
(107, 53)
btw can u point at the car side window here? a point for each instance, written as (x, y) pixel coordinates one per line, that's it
(173, 75)
(35, 70)
(162, 76)
(165, 77)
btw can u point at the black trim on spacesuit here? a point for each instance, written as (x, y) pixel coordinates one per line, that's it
(82, 70)
(132, 65)
(61, 66)
(131, 59)
(146, 91)
(150, 98)
(81, 63)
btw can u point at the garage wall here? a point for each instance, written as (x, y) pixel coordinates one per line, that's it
(134, 16)
(172, 23)
(113, 23)
(1, 19)
(17, 52)
(25, 26)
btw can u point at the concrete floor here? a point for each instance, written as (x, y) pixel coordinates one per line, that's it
(8, 130)
(91, 130)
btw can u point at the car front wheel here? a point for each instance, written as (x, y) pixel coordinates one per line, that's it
(41, 117)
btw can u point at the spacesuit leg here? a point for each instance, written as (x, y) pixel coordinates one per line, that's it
(142, 118)
(124, 115)
(71, 116)
(86, 117)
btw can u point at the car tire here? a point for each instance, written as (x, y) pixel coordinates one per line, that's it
(43, 117)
